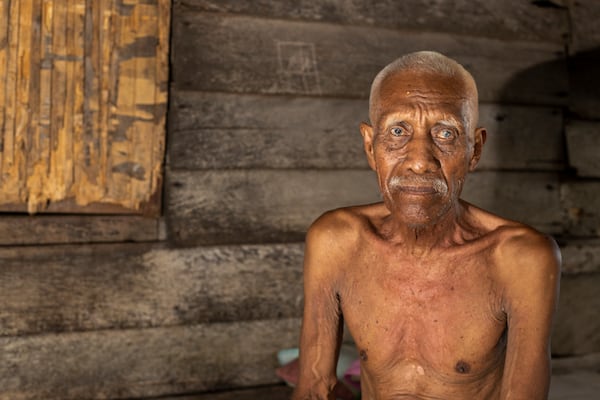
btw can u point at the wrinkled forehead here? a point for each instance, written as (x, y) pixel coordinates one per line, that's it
(430, 91)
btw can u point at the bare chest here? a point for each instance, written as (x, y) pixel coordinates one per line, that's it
(441, 314)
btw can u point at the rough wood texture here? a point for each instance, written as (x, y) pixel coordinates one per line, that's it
(258, 206)
(585, 32)
(581, 203)
(221, 131)
(83, 102)
(565, 365)
(577, 328)
(584, 51)
(267, 205)
(583, 142)
(522, 138)
(322, 59)
(146, 362)
(584, 84)
(42, 230)
(70, 288)
(503, 19)
(580, 256)
(503, 193)
(279, 392)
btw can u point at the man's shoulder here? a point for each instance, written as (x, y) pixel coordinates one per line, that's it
(517, 245)
(346, 221)
(523, 253)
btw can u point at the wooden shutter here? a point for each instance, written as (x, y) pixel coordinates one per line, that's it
(83, 93)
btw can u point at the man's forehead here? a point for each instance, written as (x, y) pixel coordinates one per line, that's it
(424, 84)
(455, 112)
(416, 91)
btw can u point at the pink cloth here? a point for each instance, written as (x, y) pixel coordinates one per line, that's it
(352, 375)
(348, 390)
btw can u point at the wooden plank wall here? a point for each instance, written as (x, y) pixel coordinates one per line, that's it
(265, 101)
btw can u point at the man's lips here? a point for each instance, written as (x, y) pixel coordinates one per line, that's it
(417, 189)
(418, 185)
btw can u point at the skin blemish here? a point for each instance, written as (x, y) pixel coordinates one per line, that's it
(462, 367)
(363, 355)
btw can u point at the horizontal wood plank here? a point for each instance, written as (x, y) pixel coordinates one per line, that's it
(257, 206)
(530, 198)
(583, 142)
(513, 19)
(584, 84)
(581, 203)
(210, 207)
(222, 131)
(577, 327)
(72, 288)
(522, 138)
(580, 256)
(46, 229)
(144, 363)
(585, 32)
(275, 392)
(241, 54)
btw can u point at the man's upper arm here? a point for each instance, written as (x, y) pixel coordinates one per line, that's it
(322, 319)
(531, 278)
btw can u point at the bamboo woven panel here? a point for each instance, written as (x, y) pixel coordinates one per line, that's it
(83, 93)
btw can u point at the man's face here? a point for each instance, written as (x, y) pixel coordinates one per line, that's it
(422, 143)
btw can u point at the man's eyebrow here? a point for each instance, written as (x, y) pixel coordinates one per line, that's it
(449, 121)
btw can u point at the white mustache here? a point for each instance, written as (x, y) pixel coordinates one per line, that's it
(439, 185)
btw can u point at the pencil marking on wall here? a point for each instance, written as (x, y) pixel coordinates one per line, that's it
(298, 70)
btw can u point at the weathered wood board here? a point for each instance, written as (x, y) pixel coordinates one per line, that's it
(143, 362)
(244, 206)
(273, 392)
(253, 55)
(133, 286)
(112, 286)
(584, 56)
(83, 103)
(522, 138)
(581, 203)
(530, 198)
(585, 32)
(223, 131)
(577, 327)
(583, 145)
(580, 256)
(208, 207)
(51, 229)
(508, 19)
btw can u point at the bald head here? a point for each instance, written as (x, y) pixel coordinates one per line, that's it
(427, 63)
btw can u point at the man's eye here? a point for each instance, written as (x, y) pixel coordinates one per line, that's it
(445, 134)
(397, 131)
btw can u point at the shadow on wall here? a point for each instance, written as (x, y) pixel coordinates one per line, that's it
(525, 157)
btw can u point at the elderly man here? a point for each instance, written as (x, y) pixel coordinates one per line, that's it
(443, 299)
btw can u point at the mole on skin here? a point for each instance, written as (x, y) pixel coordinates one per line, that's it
(424, 281)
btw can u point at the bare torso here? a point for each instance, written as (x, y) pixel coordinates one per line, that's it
(427, 326)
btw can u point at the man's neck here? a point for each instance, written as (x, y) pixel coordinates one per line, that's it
(420, 240)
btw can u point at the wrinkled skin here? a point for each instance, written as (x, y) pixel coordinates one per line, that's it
(444, 300)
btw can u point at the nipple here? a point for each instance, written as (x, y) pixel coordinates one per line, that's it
(363, 355)
(462, 367)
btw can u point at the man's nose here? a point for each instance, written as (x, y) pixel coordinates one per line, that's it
(420, 157)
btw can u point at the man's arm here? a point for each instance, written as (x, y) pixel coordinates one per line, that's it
(322, 323)
(531, 278)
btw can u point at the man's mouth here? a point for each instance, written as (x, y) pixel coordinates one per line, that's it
(418, 185)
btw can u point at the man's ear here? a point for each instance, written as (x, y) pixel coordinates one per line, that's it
(366, 131)
(478, 141)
